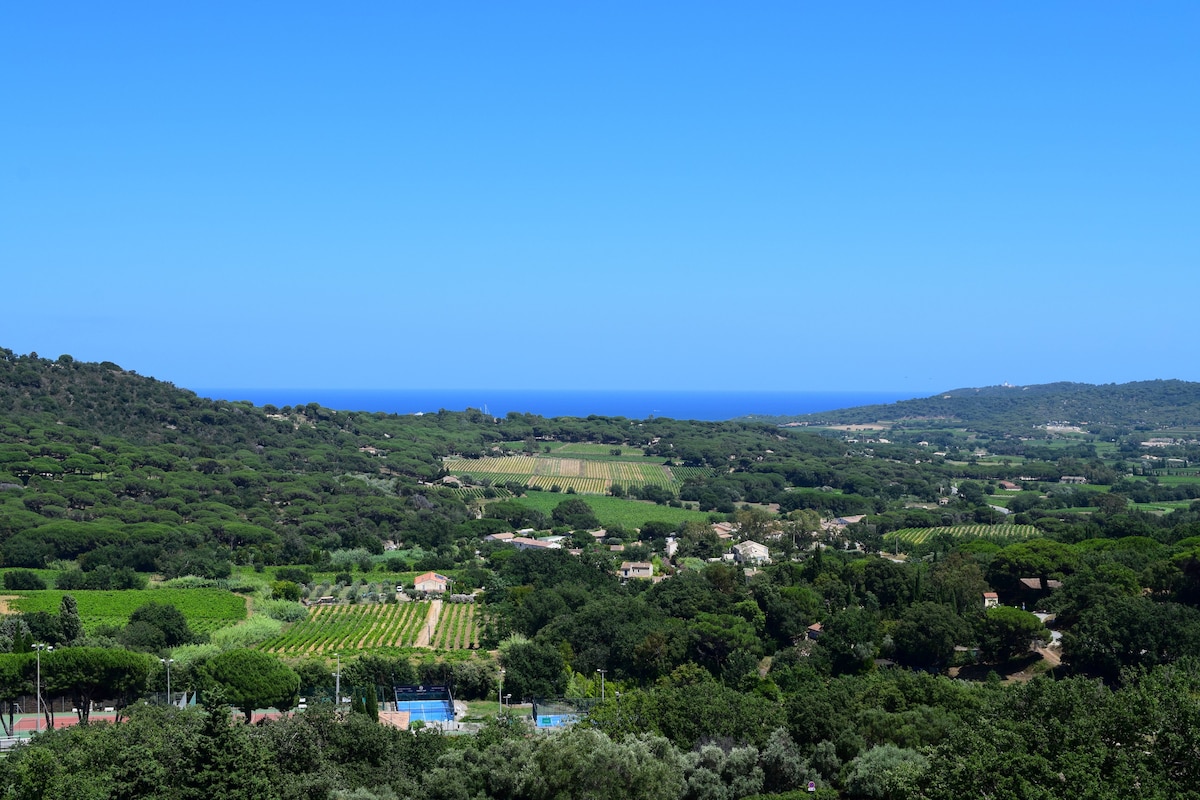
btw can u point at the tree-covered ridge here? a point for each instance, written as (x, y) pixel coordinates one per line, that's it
(1142, 405)
(123, 471)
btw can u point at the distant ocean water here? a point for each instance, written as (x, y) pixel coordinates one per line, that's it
(709, 406)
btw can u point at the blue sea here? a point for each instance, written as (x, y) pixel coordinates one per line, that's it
(709, 406)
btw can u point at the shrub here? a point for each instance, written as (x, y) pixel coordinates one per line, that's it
(282, 610)
(23, 579)
(294, 574)
(285, 590)
(257, 629)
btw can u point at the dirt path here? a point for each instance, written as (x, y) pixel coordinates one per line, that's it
(431, 623)
(1051, 657)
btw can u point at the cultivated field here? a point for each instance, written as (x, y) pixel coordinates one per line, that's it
(586, 475)
(346, 628)
(916, 536)
(614, 510)
(206, 610)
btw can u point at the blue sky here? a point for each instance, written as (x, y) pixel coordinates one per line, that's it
(695, 195)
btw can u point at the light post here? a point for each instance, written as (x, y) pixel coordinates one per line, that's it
(500, 691)
(602, 671)
(337, 682)
(39, 648)
(168, 662)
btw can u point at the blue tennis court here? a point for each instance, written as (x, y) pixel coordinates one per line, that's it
(556, 720)
(425, 703)
(427, 710)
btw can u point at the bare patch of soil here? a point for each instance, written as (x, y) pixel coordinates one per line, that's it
(1020, 669)
(431, 623)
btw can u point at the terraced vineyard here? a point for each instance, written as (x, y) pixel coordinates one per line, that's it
(916, 536)
(584, 475)
(458, 627)
(331, 629)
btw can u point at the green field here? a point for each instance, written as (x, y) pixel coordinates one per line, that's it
(601, 451)
(614, 510)
(1164, 507)
(917, 536)
(206, 610)
(1177, 479)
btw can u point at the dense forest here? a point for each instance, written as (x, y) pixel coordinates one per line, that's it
(888, 649)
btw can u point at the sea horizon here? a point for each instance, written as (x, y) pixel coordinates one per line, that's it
(709, 406)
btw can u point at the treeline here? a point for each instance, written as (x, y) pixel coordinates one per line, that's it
(914, 736)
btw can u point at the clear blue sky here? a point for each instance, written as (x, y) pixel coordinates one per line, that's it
(695, 195)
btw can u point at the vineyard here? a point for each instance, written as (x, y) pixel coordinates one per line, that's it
(917, 536)
(205, 610)
(480, 493)
(331, 629)
(458, 627)
(683, 474)
(585, 476)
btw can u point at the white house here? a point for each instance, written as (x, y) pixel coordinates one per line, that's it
(751, 553)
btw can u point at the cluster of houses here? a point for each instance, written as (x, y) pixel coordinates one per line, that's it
(749, 554)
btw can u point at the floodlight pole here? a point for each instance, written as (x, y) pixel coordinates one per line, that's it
(602, 671)
(39, 648)
(337, 683)
(168, 662)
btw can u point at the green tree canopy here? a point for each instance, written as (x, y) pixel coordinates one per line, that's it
(86, 674)
(1007, 631)
(250, 679)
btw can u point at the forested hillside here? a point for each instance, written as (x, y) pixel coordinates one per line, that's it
(885, 646)
(95, 458)
(1143, 405)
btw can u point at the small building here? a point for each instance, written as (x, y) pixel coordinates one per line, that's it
(642, 570)
(1072, 479)
(723, 530)
(991, 600)
(1008, 486)
(431, 582)
(813, 631)
(526, 543)
(1032, 591)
